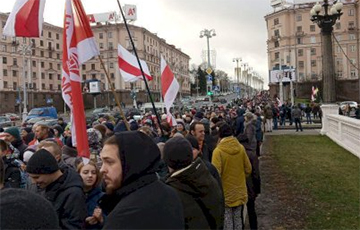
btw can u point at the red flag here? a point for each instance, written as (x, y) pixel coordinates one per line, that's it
(26, 19)
(78, 46)
(169, 87)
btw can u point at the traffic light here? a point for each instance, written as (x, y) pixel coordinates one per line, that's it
(210, 93)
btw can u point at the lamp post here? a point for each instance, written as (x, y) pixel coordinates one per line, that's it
(237, 60)
(24, 50)
(326, 22)
(208, 34)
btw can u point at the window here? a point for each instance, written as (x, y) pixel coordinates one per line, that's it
(276, 33)
(313, 51)
(41, 43)
(338, 26)
(58, 56)
(83, 67)
(50, 76)
(298, 17)
(277, 55)
(50, 65)
(299, 41)
(42, 53)
(352, 37)
(50, 54)
(57, 36)
(34, 87)
(58, 66)
(13, 49)
(4, 60)
(353, 73)
(109, 34)
(313, 63)
(14, 86)
(14, 73)
(276, 21)
(313, 39)
(101, 35)
(34, 75)
(112, 75)
(299, 29)
(51, 87)
(111, 65)
(353, 48)
(5, 84)
(5, 72)
(351, 12)
(4, 37)
(301, 64)
(276, 44)
(14, 61)
(312, 28)
(101, 45)
(300, 52)
(84, 77)
(110, 46)
(339, 74)
(49, 34)
(59, 77)
(353, 61)
(93, 76)
(59, 87)
(34, 63)
(42, 86)
(3, 48)
(93, 66)
(57, 46)
(42, 75)
(42, 64)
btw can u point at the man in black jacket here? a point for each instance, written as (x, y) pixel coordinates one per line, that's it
(200, 193)
(63, 188)
(135, 198)
(13, 136)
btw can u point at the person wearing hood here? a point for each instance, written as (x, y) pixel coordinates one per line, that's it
(199, 191)
(135, 198)
(239, 122)
(250, 130)
(12, 135)
(63, 188)
(232, 163)
(70, 154)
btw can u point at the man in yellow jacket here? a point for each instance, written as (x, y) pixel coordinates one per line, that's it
(230, 159)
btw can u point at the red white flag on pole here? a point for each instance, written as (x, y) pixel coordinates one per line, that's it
(26, 19)
(78, 46)
(169, 88)
(129, 66)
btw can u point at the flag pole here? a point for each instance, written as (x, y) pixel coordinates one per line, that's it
(115, 95)
(142, 71)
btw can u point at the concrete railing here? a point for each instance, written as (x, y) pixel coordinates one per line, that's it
(345, 131)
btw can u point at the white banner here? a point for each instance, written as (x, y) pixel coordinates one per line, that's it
(94, 87)
(275, 75)
(130, 12)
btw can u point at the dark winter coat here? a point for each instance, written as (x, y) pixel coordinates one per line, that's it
(67, 196)
(92, 198)
(201, 196)
(69, 156)
(19, 145)
(142, 201)
(240, 122)
(259, 131)
(12, 173)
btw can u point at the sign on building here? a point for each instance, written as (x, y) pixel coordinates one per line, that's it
(102, 17)
(94, 87)
(287, 75)
(130, 12)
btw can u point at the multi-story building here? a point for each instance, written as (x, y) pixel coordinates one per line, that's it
(41, 66)
(295, 41)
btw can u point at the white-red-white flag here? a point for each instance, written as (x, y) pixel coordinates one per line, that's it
(129, 66)
(169, 88)
(78, 46)
(26, 19)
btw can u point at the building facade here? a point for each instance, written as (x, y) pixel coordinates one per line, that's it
(39, 62)
(294, 41)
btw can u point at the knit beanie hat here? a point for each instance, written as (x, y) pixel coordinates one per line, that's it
(22, 209)
(42, 162)
(13, 131)
(178, 153)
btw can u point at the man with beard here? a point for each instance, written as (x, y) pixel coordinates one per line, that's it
(135, 197)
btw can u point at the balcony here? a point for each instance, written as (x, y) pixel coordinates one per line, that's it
(275, 37)
(351, 28)
(299, 33)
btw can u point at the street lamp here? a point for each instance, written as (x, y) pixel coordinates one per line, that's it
(237, 60)
(326, 22)
(24, 50)
(208, 34)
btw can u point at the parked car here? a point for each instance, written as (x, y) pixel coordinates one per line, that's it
(43, 112)
(49, 122)
(12, 116)
(29, 123)
(101, 110)
(5, 122)
(353, 105)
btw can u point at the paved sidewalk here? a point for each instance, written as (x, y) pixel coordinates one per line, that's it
(293, 132)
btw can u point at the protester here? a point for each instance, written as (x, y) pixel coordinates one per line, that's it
(70, 154)
(197, 129)
(307, 111)
(135, 198)
(62, 123)
(199, 192)
(91, 177)
(12, 167)
(27, 135)
(296, 114)
(21, 209)
(13, 136)
(63, 188)
(233, 165)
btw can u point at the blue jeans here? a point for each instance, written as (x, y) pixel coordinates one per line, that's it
(275, 121)
(282, 120)
(298, 122)
(308, 118)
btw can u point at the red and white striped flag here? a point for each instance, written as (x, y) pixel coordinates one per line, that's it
(129, 66)
(26, 19)
(169, 88)
(78, 46)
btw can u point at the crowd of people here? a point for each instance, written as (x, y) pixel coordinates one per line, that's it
(198, 174)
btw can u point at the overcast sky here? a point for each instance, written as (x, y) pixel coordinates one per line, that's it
(240, 26)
